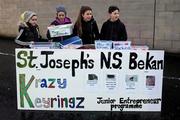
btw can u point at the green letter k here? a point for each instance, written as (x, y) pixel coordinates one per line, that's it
(23, 90)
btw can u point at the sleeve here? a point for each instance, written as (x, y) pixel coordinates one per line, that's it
(19, 39)
(69, 21)
(102, 34)
(48, 35)
(39, 34)
(75, 31)
(96, 31)
(124, 33)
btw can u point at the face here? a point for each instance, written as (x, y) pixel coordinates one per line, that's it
(33, 21)
(61, 16)
(87, 16)
(114, 15)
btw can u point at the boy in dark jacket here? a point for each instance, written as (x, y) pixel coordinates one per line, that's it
(113, 28)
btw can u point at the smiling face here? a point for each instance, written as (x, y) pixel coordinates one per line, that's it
(114, 15)
(33, 20)
(87, 16)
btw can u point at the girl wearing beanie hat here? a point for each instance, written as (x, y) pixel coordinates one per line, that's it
(28, 29)
(61, 19)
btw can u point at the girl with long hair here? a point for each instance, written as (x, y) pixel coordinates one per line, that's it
(85, 26)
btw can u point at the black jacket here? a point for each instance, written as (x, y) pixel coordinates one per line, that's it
(115, 31)
(90, 31)
(27, 33)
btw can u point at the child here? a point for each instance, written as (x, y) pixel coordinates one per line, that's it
(60, 19)
(113, 28)
(86, 27)
(28, 29)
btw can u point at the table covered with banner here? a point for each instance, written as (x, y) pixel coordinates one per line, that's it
(89, 79)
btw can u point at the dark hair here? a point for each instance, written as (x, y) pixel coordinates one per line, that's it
(78, 21)
(112, 9)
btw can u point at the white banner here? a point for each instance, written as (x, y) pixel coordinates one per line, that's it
(89, 80)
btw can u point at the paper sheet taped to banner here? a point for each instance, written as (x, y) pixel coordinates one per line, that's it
(103, 44)
(122, 45)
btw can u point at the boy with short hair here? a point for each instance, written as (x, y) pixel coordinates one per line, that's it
(113, 28)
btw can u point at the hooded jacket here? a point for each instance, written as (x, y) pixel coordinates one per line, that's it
(27, 33)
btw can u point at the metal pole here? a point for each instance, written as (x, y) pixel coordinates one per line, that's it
(154, 25)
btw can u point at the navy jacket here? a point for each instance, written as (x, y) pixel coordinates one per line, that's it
(115, 31)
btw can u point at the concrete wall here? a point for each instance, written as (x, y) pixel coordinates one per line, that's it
(157, 25)
(167, 32)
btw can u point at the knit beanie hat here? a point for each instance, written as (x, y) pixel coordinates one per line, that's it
(26, 16)
(61, 8)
